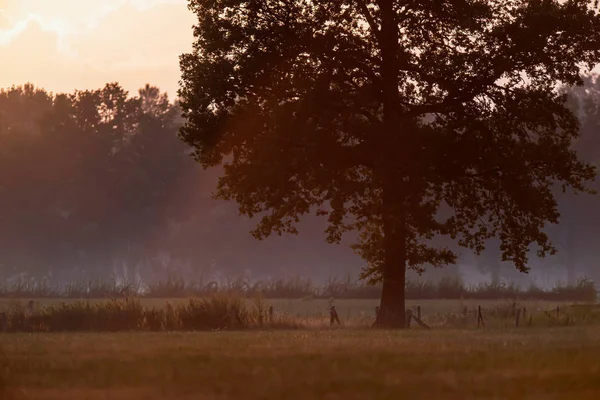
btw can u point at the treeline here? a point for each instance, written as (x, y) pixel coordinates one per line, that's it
(86, 178)
(298, 288)
(96, 183)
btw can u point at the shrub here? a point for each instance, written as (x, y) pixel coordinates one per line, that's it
(211, 313)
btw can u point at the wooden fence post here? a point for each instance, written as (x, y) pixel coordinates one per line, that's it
(480, 318)
(270, 314)
(518, 317)
(333, 316)
(3, 322)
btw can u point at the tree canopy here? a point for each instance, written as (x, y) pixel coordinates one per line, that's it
(95, 184)
(400, 120)
(84, 176)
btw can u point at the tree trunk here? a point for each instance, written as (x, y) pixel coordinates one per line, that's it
(392, 307)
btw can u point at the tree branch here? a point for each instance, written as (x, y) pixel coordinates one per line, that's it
(370, 20)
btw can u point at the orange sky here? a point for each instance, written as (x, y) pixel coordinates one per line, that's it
(62, 45)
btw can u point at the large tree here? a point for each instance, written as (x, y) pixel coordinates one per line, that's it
(401, 120)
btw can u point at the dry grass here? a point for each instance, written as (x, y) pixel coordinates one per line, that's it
(556, 363)
(221, 312)
(347, 308)
(295, 288)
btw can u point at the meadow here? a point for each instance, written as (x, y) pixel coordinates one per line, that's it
(140, 347)
(234, 312)
(537, 363)
(347, 308)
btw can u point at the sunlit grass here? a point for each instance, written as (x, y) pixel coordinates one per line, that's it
(558, 363)
(223, 312)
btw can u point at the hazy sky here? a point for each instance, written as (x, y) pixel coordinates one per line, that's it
(62, 45)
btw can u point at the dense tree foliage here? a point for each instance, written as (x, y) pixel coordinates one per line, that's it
(159, 227)
(96, 183)
(77, 188)
(385, 114)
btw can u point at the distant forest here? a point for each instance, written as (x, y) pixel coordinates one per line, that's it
(96, 183)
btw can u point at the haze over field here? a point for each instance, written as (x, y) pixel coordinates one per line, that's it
(68, 45)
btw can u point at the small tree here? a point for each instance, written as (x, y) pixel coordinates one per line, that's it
(382, 114)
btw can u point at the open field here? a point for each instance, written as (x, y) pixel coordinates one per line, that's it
(347, 308)
(222, 312)
(558, 363)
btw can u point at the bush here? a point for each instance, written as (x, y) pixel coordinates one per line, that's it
(219, 312)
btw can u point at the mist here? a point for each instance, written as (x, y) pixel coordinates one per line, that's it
(97, 185)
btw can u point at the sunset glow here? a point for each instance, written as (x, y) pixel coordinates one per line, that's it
(62, 45)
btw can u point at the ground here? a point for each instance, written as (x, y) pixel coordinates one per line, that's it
(551, 357)
(530, 363)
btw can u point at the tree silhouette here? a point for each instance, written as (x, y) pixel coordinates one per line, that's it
(378, 113)
(97, 182)
(85, 178)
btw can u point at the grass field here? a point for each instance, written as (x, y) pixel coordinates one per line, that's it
(550, 363)
(216, 313)
(347, 308)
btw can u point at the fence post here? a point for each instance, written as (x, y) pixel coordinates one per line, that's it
(419, 312)
(333, 316)
(518, 317)
(3, 322)
(479, 318)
